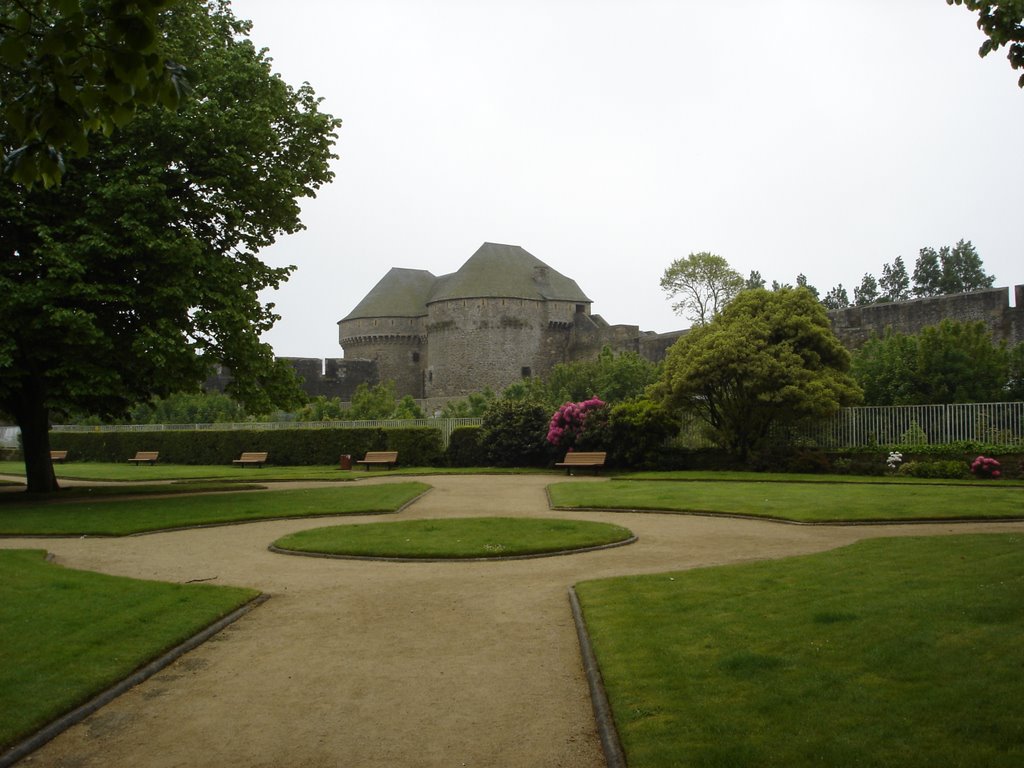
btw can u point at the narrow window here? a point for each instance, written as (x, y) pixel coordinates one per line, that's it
(527, 373)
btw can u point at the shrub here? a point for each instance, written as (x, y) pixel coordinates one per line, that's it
(417, 446)
(947, 470)
(569, 421)
(986, 468)
(634, 434)
(464, 448)
(807, 462)
(514, 433)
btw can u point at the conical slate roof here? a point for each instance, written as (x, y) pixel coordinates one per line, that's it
(506, 271)
(400, 293)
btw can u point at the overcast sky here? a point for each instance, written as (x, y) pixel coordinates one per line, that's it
(610, 138)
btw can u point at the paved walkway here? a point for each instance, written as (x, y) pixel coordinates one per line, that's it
(369, 664)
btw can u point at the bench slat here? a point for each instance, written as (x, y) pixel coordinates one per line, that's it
(386, 458)
(593, 459)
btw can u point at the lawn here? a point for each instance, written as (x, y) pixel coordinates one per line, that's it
(151, 473)
(122, 516)
(889, 652)
(66, 635)
(461, 538)
(802, 502)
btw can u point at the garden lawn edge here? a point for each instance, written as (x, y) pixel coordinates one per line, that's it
(391, 559)
(614, 755)
(78, 714)
(786, 520)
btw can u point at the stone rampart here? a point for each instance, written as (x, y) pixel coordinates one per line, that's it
(855, 325)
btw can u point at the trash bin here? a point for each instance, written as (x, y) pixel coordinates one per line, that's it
(345, 462)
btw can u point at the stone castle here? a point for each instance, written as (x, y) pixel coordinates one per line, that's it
(503, 316)
(506, 315)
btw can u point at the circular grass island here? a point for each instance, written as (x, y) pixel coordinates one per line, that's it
(470, 538)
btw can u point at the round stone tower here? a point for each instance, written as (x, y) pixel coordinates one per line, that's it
(503, 316)
(387, 326)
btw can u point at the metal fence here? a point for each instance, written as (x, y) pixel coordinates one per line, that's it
(993, 423)
(998, 423)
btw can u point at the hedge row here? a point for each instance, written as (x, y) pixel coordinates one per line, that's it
(416, 446)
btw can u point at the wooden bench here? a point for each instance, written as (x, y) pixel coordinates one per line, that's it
(373, 458)
(582, 460)
(252, 458)
(58, 456)
(149, 457)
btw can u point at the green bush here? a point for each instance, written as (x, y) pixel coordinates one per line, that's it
(514, 434)
(464, 449)
(946, 470)
(417, 446)
(634, 434)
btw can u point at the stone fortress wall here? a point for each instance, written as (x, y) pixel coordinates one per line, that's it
(855, 325)
(445, 338)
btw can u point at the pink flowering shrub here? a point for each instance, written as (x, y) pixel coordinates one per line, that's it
(985, 467)
(567, 423)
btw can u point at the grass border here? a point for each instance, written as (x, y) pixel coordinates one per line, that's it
(383, 559)
(78, 714)
(614, 755)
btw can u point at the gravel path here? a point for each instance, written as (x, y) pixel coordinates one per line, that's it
(370, 664)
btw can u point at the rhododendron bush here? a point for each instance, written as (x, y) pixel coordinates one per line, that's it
(568, 422)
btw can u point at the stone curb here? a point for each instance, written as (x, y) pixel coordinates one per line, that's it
(783, 521)
(495, 559)
(613, 754)
(77, 715)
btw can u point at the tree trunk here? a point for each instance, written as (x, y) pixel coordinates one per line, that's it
(33, 417)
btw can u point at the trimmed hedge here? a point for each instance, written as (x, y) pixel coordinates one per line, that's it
(416, 446)
(464, 449)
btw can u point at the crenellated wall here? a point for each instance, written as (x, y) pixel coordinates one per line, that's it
(855, 325)
(464, 345)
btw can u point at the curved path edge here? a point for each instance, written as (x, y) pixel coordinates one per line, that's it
(613, 754)
(496, 558)
(61, 724)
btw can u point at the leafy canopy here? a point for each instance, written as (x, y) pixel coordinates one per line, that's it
(769, 360)
(951, 362)
(1003, 22)
(69, 68)
(701, 285)
(139, 271)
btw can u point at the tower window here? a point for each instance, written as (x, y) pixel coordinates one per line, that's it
(415, 357)
(527, 372)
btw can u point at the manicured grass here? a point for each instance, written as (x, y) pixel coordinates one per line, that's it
(79, 492)
(789, 477)
(66, 635)
(890, 652)
(117, 517)
(804, 502)
(457, 538)
(146, 473)
(82, 470)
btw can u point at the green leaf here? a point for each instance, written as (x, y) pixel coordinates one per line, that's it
(13, 51)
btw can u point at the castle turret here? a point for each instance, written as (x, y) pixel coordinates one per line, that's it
(387, 327)
(503, 316)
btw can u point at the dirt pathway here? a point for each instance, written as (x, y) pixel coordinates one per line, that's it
(371, 664)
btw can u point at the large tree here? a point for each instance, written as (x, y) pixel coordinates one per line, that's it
(701, 285)
(770, 359)
(1003, 22)
(950, 270)
(895, 282)
(72, 67)
(951, 362)
(139, 271)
